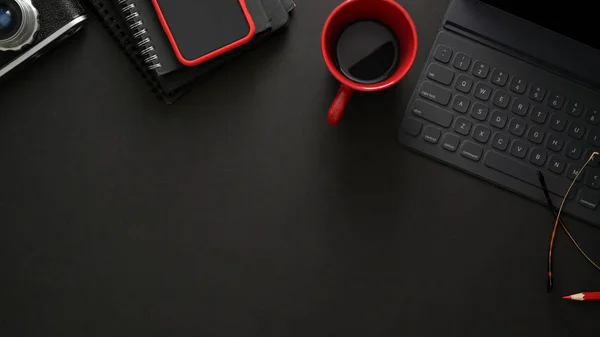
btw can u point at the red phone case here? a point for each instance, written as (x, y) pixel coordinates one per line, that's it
(213, 54)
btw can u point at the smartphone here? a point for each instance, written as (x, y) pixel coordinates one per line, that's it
(200, 30)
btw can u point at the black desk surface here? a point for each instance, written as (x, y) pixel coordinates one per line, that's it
(239, 212)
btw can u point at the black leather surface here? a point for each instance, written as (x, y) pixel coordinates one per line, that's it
(239, 212)
(55, 14)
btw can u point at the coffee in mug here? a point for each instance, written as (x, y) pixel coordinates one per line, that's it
(367, 45)
(367, 51)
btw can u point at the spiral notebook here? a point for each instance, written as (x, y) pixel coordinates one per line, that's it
(137, 30)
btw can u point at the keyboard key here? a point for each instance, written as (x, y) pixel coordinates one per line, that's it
(594, 137)
(500, 141)
(443, 54)
(481, 69)
(432, 134)
(576, 130)
(595, 161)
(538, 157)
(557, 165)
(537, 93)
(554, 143)
(520, 107)
(593, 179)
(464, 84)
(536, 135)
(573, 150)
(461, 103)
(482, 91)
(558, 122)
(501, 99)
(574, 108)
(463, 126)
(589, 199)
(462, 61)
(432, 113)
(450, 142)
(440, 74)
(484, 114)
(499, 77)
(518, 85)
(412, 126)
(481, 134)
(435, 93)
(480, 111)
(525, 173)
(573, 171)
(592, 116)
(519, 149)
(499, 119)
(517, 127)
(471, 151)
(538, 115)
(556, 101)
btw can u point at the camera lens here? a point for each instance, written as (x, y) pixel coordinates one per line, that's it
(8, 20)
(5, 18)
(18, 24)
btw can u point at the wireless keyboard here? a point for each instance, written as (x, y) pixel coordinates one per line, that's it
(502, 119)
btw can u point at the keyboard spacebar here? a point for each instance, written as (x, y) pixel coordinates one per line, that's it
(525, 173)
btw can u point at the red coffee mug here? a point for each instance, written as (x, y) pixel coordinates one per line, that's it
(388, 13)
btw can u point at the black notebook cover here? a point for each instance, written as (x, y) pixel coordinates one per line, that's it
(172, 84)
(154, 45)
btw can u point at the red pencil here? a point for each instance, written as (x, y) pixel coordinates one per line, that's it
(589, 296)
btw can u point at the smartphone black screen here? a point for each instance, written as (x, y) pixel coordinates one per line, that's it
(200, 27)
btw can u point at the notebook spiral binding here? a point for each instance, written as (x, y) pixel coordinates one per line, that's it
(105, 12)
(143, 41)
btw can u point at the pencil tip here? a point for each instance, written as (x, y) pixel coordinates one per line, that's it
(567, 297)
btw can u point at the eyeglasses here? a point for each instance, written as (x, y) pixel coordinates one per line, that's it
(559, 220)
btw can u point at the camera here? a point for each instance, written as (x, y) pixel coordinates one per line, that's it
(28, 28)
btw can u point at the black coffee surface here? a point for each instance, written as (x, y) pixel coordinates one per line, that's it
(367, 51)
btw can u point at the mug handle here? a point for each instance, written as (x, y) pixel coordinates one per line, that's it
(339, 104)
